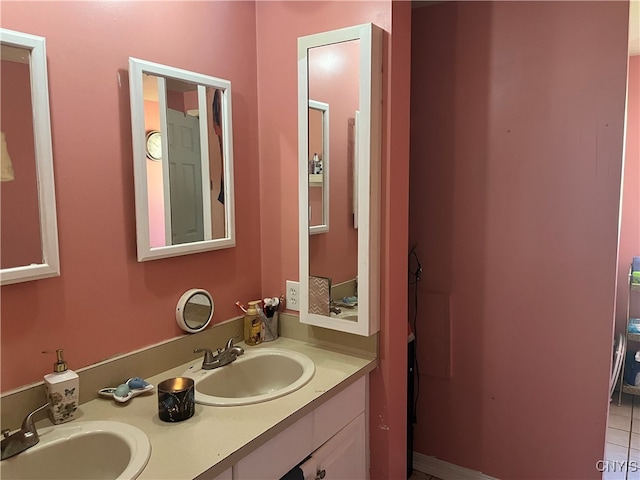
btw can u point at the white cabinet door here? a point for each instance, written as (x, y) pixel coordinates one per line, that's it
(343, 457)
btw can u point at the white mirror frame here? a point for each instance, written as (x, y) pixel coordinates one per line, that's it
(324, 108)
(368, 158)
(137, 68)
(50, 266)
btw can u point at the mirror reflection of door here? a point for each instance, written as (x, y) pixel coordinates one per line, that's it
(185, 192)
(334, 79)
(20, 216)
(185, 173)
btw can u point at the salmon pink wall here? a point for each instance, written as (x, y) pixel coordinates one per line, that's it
(630, 217)
(516, 151)
(154, 180)
(105, 302)
(277, 89)
(175, 101)
(20, 215)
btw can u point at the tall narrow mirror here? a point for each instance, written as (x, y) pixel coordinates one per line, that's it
(319, 153)
(29, 232)
(339, 277)
(183, 161)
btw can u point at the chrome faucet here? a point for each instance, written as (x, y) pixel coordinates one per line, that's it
(223, 357)
(23, 439)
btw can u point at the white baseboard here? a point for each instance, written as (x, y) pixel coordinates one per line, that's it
(445, 470)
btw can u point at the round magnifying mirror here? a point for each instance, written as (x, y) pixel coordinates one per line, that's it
(194, 310)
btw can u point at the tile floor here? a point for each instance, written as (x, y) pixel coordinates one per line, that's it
(622, 450)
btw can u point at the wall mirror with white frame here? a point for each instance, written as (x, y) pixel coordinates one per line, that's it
(339, 270)
(183, 161)
(29, 231)
(318, 167)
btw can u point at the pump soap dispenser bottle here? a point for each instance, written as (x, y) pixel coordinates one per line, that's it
(62, 388)
(253, 324)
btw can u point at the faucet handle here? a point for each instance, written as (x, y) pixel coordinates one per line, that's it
(28, 424)
(208, 354)
(229, 344)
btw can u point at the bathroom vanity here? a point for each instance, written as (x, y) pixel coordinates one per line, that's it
(333, 435)
(263, 440)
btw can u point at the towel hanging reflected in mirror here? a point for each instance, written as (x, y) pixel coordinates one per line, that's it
(6, 166)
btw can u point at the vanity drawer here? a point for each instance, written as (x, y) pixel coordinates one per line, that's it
(330, 417)
(278, 455)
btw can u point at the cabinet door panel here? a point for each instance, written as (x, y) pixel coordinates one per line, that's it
(343, 457)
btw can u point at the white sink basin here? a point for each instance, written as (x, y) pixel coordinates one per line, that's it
(350, 314)
(82, 451)
(259, 375)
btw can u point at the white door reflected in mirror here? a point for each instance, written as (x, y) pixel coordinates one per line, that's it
(184, 165)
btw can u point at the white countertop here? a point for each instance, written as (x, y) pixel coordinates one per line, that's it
(220, 436)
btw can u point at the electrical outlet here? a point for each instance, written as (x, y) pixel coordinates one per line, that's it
(293, 295)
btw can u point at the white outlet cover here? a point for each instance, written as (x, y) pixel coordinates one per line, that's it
(293, 295)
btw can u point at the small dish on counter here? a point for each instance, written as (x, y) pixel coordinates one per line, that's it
(126, 391)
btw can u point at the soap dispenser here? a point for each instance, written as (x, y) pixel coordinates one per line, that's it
(253, 324)
(62, 388)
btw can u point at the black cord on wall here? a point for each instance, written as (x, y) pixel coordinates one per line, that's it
(415, 275)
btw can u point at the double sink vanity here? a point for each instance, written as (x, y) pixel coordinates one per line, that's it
(290, 383)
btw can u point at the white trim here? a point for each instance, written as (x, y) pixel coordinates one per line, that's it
(445, 470)
(354, 200)
(204, 165)
(166, 186)
(50, 266)
(369, 152)
(145, 252)
(324, 108)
